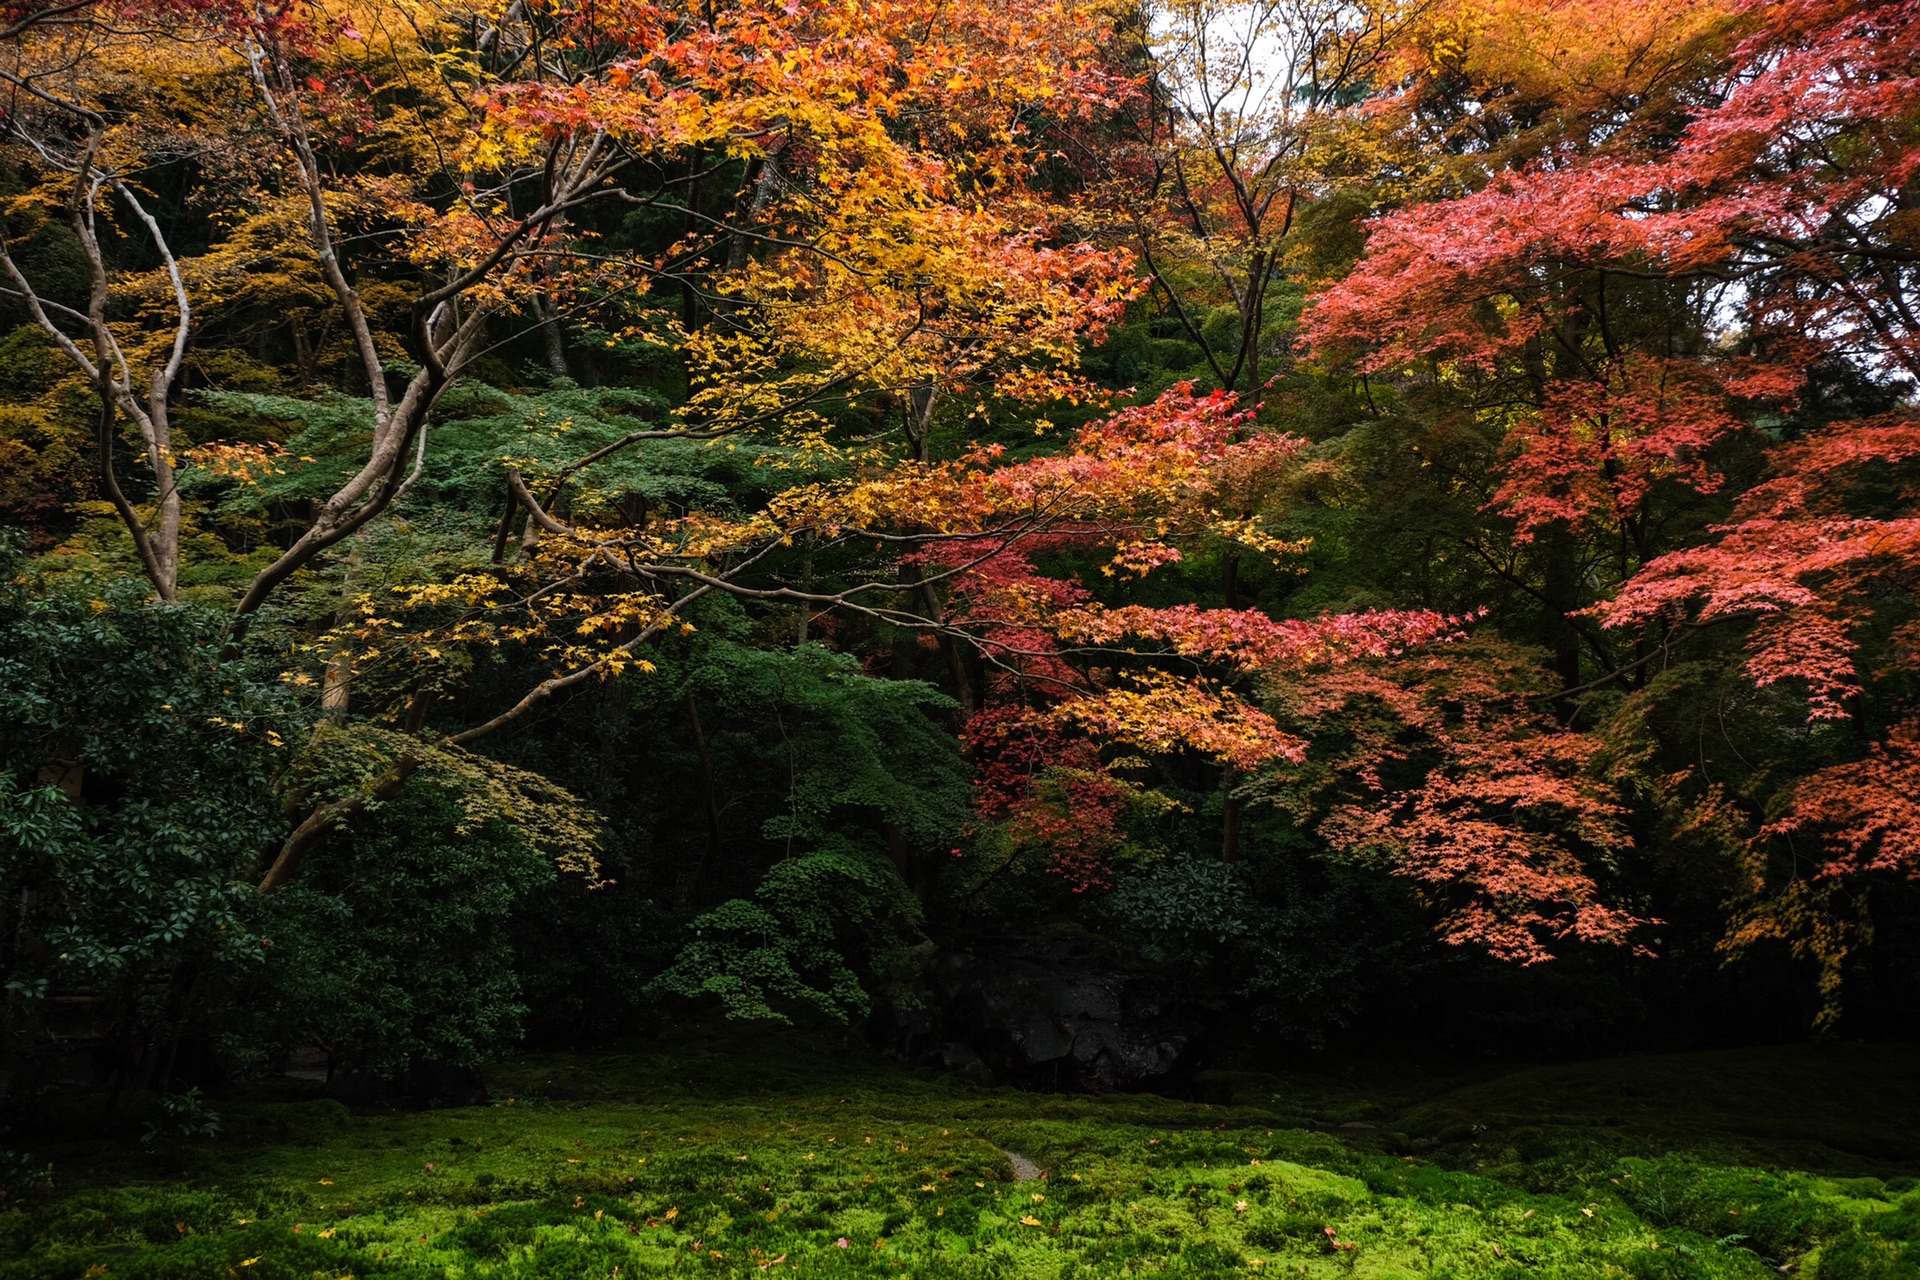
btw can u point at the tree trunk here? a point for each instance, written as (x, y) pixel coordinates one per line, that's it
(689, 890)
(1561, 590)
(551, 336)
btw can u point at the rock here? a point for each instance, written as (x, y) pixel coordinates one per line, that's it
(959, 1058)
(1024, 1170)
(1054, 1014)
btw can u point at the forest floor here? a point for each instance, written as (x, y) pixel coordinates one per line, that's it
(751, 1154)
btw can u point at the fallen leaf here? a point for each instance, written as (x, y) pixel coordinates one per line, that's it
(326, 1182)
(1239, 1206)
(927, 1187)
(1030, 1221)
(672, 1214)
(327, 1234)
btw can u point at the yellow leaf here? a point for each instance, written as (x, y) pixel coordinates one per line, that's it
(1030, 1221)
(672, 1214)
(327, 1234)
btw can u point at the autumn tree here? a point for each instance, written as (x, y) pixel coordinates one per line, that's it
(1658, 275)
(460, 156)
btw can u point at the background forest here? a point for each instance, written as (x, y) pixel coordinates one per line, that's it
(531, 520)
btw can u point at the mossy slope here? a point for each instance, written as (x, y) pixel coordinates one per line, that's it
(716, 1158)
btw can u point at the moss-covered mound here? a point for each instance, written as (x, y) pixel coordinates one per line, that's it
(789, 1155)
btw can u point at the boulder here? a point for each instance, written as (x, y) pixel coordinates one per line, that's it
(1058, 1014)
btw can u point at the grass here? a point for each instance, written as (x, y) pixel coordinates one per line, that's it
(742, 1154)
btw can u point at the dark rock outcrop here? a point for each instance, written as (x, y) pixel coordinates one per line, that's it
(1056, 1014)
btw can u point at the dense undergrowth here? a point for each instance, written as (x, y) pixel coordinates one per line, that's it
(796, 1155)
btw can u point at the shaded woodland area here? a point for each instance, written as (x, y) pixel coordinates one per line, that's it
(1089, 543)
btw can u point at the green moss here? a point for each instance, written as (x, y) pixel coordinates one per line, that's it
(716, 1157)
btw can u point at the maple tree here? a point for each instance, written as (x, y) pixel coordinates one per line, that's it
(844, 219)
(1723, 202)
(1445, 763)
(1273, 447)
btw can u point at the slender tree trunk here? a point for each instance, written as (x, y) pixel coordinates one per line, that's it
(689, 889)
(763, 181)
(303, 355)
(336, 685)
(1229, 819)
(1561, 590)
(551, 336)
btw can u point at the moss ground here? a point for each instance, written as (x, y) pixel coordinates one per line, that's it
(743, 1155)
